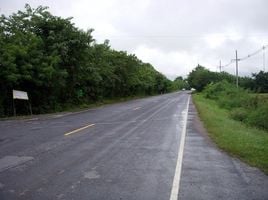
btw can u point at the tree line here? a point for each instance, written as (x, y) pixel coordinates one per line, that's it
(58, 64)
(243, 103)
(200, 77)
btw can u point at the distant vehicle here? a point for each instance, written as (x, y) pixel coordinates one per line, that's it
(183, 89)
(192, 89)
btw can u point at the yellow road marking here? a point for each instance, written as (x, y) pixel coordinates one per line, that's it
(79, 129)
(137, 108)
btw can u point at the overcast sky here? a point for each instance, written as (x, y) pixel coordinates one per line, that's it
(173, 35)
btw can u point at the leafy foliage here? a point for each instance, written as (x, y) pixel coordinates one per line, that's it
(60, 65)
(243, 106)
(180, 83)
(261, 81)
(200, 77)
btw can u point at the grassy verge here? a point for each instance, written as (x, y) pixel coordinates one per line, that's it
(247, 143)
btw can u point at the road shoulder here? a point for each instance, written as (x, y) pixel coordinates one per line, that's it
(209, 173)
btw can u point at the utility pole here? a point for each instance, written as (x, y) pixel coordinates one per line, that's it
(263, 58)
(236, 61)
(220, 65)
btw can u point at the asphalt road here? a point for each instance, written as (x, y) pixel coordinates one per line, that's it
(129, 150)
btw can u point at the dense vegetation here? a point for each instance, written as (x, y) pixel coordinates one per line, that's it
(244, 103)
(60, 65)
(251, 109)
(200, 77)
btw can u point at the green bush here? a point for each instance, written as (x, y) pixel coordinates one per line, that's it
(213, 91)
(227, 95)
(235, 100)
(249, 108)
(239, 114)
(259, 117)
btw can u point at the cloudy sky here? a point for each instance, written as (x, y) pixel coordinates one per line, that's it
(173, 35)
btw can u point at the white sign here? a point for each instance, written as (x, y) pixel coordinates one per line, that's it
(20, 95)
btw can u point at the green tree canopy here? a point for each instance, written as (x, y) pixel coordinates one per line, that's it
(60, 65)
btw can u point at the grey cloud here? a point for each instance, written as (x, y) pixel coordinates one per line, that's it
(171, 27)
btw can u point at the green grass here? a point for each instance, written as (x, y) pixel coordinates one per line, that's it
(244, 142)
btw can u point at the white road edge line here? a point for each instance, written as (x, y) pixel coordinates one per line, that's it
(176, 180)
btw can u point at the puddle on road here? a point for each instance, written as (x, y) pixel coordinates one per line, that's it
(93, 174)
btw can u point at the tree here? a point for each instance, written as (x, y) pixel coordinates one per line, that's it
(261, 81)
(61, 65)
(200, 77)
(179, 83)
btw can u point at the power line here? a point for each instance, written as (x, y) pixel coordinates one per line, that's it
(248, 56)
(226, 65)
(254, 53)
(263, 60)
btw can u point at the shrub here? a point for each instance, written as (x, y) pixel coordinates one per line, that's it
(213, 91)
(246, 107)
(228, 95)
(259, 117)
(239, 114)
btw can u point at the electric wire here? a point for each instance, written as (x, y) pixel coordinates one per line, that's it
(246, 57)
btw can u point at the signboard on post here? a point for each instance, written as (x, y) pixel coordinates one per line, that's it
(20, 95)
(17, 94)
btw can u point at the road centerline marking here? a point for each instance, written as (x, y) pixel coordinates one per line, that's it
(137, 108)
(79, 129)
(176, 180)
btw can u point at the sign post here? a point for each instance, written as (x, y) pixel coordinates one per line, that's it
(20, 95)
(14, 107)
